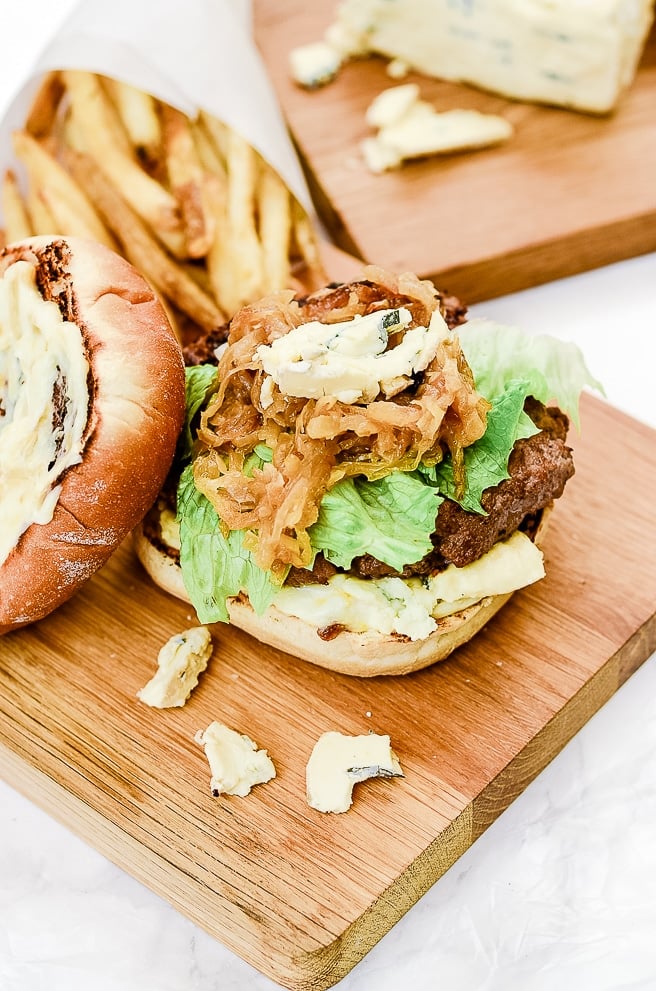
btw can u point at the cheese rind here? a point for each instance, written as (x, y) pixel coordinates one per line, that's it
(574, 53)
(338, 762)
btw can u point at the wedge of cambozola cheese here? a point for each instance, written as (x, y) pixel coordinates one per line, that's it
(580, 54)
(236, 764)
(409, 128)
(338, 762)
(179, 663)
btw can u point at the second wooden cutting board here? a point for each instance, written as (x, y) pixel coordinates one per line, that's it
(569, 192)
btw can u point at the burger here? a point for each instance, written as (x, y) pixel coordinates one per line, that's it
(364, 476)
(91, 405)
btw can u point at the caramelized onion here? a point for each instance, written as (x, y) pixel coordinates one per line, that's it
(317, 442)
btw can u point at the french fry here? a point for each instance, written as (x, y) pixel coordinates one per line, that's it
(187, 181)
(140, 246)
(208, 152)
(98, 132)
(43, 221)
(71, 210)
(217, 132)
(138, 113)
(245, 249)
(197, 270)
(17, 220)
(95, 119)
(275, 223)
(3, 239)
(43, 111)
(219, 264)
(70, 133)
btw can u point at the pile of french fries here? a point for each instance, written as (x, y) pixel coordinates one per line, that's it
(187, 201)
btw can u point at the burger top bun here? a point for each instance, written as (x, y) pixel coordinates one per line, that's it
(85, 343)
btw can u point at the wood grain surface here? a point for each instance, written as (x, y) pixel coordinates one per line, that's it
(300, 895)
(569, 192)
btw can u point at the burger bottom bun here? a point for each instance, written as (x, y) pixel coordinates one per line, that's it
(361, 654)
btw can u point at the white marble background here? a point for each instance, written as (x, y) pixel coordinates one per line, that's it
(559, 893)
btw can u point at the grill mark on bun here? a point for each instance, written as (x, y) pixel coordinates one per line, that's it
(54, 280)
(55, 283)
(59, 405)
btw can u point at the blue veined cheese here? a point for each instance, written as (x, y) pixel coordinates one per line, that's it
(392, 105)
(236, 764)
(408, 128)
(412, 606)
(43, 365)
(315, 64)
(179, 663)
(338, 762)
(348, 360)
(574, 53)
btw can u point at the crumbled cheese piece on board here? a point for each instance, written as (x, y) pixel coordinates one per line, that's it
(314, 65)
(409, 128)
(179, 663)
(235, 762)
(338, 762)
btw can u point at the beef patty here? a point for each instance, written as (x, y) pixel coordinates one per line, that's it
(539, 467)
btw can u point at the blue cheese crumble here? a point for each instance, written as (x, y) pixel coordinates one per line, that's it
(349, 360)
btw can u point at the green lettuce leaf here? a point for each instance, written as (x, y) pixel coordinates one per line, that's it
(215, 567)
(555, 370)
(391, 518)
(199, 382)
(486, 461)
(259, 456)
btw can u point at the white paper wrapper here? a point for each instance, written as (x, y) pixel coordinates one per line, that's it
(190, 53)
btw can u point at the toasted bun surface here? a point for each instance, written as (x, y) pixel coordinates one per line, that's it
(136, 406)
(362, 654)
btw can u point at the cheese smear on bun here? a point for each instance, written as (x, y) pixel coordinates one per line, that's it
(42, 366)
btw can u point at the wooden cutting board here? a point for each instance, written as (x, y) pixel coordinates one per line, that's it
(569, 192)
(300, 895)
